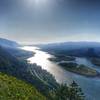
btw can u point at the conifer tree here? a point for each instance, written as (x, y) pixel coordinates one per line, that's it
(71, 92)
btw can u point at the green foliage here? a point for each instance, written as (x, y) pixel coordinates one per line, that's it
(64, 92)
(14, 89)
(75, 92)
(20, 69)
(79, 69)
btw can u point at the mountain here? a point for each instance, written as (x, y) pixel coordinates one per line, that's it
(70, 45)
(20, 69)
(79, 49)
(13, 48)
(9, 63)
(8, 43)
(20, 53)
(14, 89)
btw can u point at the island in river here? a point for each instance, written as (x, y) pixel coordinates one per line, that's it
(79, 69)
(58, 58)
(63, 76)
(69, 64)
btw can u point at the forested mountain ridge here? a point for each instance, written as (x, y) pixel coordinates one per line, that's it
(21, 69)
(32, 74)
(70, 45)
(78, 49)
(14, 49)
(8, 43)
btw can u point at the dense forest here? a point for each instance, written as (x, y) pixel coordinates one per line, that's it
(24, 81)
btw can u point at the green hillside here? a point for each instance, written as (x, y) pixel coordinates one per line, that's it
(14, 89)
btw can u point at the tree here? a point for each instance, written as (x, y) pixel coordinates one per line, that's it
(75, 92)
(61, 93)
(71, 92)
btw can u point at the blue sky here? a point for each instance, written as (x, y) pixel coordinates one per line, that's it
(42, 21)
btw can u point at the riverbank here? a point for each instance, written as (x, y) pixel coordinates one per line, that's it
(59, 58)
(63, 76)
(70, 64)
(79, 69)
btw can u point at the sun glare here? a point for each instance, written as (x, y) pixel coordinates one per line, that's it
(38, 2)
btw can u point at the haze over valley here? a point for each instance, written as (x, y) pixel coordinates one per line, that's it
(49, 49)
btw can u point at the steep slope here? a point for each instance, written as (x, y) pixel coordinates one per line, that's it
(13, 48)
(9, 63)
(8, 43)
(14, 89)
(22, 70)
(20, 53)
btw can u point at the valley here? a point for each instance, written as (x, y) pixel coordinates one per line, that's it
(17, 74)
(86, 75)
(47, 69)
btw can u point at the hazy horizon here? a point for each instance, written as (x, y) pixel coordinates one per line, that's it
(48, 21)
(31, 43)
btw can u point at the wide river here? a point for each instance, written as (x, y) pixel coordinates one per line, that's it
(90, 86)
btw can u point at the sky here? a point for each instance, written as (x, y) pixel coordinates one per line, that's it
(45, 21)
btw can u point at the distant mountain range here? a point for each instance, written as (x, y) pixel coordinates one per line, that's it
(83, 49)
(71, 45)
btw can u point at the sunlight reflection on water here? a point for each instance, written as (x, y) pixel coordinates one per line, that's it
(41, 59)
(62, 76)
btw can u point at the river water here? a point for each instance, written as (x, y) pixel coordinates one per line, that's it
(90, 86)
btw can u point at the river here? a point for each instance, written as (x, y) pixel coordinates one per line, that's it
(90, 86)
